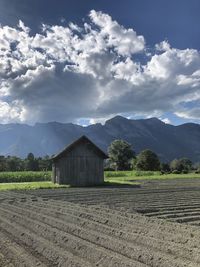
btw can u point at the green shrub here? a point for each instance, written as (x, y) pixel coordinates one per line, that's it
(185, 171)
(116, 174)
(198, 170)
(144, 173)
(109, 169)
(176, 172)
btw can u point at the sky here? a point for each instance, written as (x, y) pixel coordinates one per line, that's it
(87, 61)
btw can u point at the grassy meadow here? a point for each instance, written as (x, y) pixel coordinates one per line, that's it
(30, 185)
(145, 175)
(41, 180)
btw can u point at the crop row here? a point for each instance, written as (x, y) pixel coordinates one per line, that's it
(59, 233)
(24, 176)
(177, 200)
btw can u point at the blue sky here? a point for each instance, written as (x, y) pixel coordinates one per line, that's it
(157, 20)
(53, 61)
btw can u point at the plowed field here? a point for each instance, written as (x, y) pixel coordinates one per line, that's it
(102, 227)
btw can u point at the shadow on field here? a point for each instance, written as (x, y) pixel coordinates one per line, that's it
(109, 185)
(118, 185)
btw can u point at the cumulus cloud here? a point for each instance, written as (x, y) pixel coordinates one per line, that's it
(125, 41)
(192, 113)
(92, 71)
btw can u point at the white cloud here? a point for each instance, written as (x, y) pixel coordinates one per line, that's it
(70, 72)
(166, 120)
(23, 27)
(74, 27)
(125, 41)
(163, 46)
(192, 113)
(101, 120)
(11, 112)
(192, 80)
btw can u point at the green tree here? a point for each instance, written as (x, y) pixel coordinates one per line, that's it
(13, 163)
(3, 164)
(45, 163)
(30, 157)
(181, 165)
(133, 163)
(165, 168)
(187, 164)
(31, 163)
(120, 154)
(175, 165)
(147, 160)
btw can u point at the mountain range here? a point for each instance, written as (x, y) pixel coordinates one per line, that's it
(168, 141)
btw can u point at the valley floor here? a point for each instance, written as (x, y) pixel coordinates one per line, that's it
(155, 224)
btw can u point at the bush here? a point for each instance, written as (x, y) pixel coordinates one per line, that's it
(165, 168)
(116, 174)
(108, 169)
(144, 173)
(181, 165)
(176, 172)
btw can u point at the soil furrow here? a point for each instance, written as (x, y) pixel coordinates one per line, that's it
(100, 215)
(103, 226)
(17, 254)
(140, 239)
(39, 246)
(173, 249)
(75, 242)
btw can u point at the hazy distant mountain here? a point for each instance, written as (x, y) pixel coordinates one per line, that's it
(166, 140)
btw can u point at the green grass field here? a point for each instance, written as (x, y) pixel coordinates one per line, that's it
(40, 180)
(134, 177)
(30, 185)
(145, 175)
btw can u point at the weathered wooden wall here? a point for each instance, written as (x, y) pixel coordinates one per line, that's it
(81, 166)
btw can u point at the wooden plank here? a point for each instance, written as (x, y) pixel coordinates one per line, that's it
(82, 166)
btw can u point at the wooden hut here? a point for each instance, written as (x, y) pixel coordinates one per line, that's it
(79, 164)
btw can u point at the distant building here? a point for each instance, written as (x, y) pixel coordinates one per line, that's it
(80, 164)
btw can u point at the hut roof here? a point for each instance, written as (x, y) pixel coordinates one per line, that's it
(82, 139)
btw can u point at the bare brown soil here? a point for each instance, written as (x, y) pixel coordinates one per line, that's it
(102, 227)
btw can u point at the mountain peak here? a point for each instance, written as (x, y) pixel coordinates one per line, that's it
(118, 119)
(168, 142)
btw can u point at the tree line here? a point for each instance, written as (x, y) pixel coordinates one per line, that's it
(123, 157)
(30, 163)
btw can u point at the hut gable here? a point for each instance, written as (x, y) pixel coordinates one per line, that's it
(81, 147)
(80, 163)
